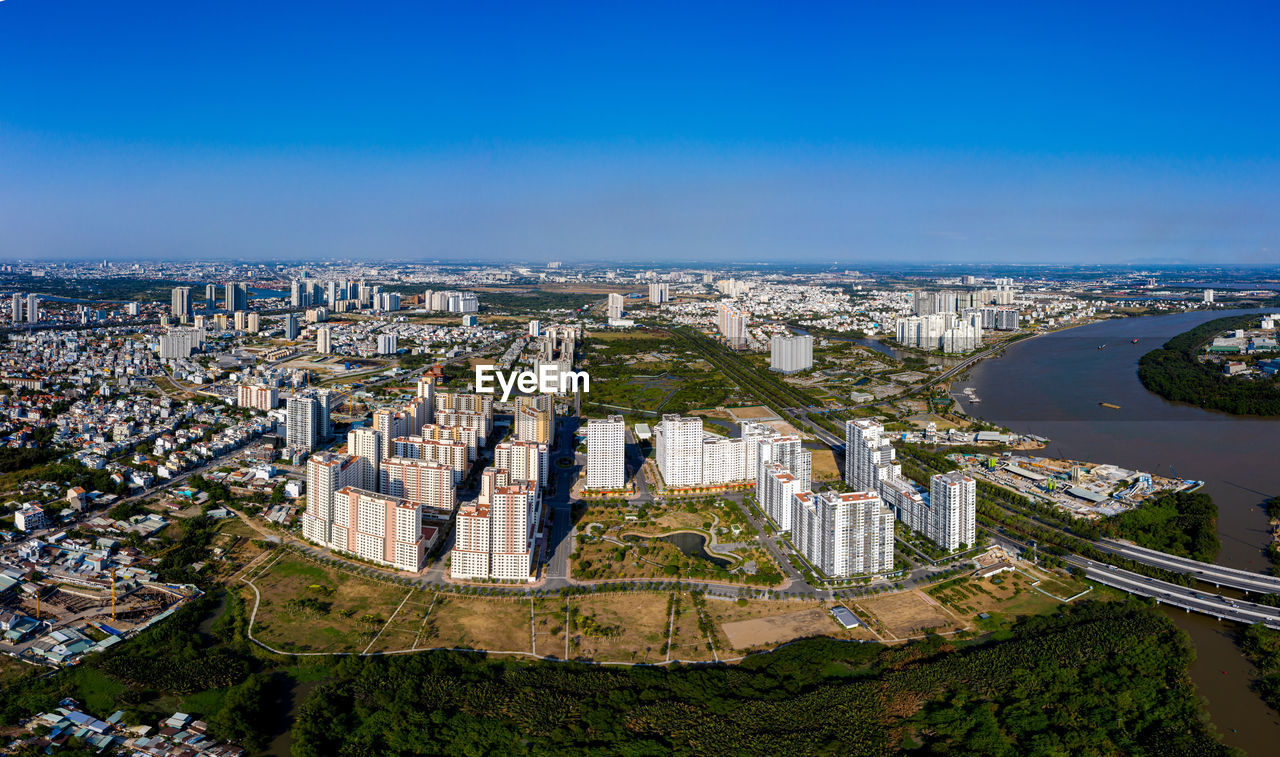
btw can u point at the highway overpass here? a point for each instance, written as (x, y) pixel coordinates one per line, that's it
(1188, 598)
(1217, 575)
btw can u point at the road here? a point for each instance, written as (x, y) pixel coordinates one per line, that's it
(1208, 572)
(1188, 598)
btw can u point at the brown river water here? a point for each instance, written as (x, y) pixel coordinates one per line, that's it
(1052, 386)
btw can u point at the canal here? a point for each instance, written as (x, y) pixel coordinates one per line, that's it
(1053, 386)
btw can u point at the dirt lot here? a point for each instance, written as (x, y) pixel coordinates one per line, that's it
(638, 621)
(824, 465)
(752, 413)
(744, 634)
(482, 623)
(905, 614)
(782, 427)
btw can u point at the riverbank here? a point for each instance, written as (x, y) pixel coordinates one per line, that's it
(1052, 385)
(1175, 372)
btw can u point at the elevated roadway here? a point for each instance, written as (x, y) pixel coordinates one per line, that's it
(1186, 597)
(1217, 575)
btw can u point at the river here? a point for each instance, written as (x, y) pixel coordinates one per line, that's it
(1052, 386)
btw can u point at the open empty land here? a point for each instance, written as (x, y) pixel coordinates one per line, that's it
(623, 627)
(905, 614)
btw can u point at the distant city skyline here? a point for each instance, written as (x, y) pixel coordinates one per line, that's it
(652, 134)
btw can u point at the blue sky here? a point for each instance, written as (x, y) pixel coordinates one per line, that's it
(646, 132)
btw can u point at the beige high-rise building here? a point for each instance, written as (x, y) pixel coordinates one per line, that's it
(422, 481)
(180, 304)
(523, 461)
(386, 530)
(535, 418)
(497, 540)
(323, 344)
(390, 424)
(444, 451)
(257, 396)
(366, 444)
(328, 472)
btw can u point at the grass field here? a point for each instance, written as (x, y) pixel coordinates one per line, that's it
(12, 670)
(635, 627)
(549, 627)
(308, 607)
(688, 642)
(1013, 596)
(483, 623)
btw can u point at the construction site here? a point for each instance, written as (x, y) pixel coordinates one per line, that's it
(56, 624)
(1087, 490)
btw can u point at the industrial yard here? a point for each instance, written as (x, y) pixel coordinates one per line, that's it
(1084, 489)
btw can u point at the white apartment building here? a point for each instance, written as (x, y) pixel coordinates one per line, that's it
(324, 344)
(732, 323)
(615, 305)
(775, 490)
(498, 540)
(30, 517)
(385, 529)
(843, 534)
(678, 448)
(871, 465)
(947, 332)
(724, 460)
(308, 421)
(422, 481)
(791, 354)
(177, 343)
(659, 293)
(788, 451)
(327, 472)
(606, 453)
(953, 510)
(366, 444)
(180, 303)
